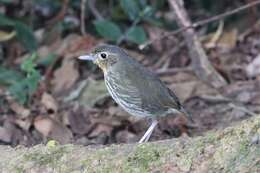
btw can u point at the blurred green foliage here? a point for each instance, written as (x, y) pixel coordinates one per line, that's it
(108, 29)
(134, 12)
(23, 32)
(23, 90)
(23, 85)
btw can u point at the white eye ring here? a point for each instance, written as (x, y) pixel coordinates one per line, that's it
(103, 55)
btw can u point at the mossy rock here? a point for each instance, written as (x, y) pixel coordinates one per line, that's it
(230, 150)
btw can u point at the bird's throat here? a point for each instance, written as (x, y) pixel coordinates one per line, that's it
(103, 67)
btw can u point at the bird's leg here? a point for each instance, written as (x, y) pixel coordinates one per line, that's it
(149, 132)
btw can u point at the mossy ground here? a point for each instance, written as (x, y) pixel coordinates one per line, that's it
(230, 150)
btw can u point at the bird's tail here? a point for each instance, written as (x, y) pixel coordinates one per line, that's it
(187, 114)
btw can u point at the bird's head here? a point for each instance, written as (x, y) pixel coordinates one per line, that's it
(105, 56)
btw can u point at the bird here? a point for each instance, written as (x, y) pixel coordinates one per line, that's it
(136, 89)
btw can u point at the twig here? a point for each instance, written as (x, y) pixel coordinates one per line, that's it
(200, 63)
(215, 38)
(243, 109)
(127, 31)
(173, 70)
(202, 22)
(82, 17)
(167, 55)
(136, 21)
(61, 14)
(95, 12)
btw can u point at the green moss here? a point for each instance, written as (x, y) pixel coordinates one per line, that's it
(234, 151)
(50, 156)
(227, 151)
(19, 169)
(211, 137)
(142, 157)
(188, 154)
(99, 161)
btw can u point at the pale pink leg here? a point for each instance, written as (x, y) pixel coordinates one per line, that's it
(149, 132)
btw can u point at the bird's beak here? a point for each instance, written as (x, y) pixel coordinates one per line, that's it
(89, 57)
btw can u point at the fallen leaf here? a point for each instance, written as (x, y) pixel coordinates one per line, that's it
(12, 133)
(24, 123)
(99, 129)
(49, 102)
(74, 45)
(19, 109)
(117, 111)
(5, 135)
(183, 90)
(93, 92)
(43, 52)
(214, 37)
(228, 39)
(154, 33)
(53, 129)
(174, 125)
(78, 123)
(125, 136)
(65, 77)
(5, 36)
(253, 69)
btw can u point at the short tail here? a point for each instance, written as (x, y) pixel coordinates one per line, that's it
(188, 115)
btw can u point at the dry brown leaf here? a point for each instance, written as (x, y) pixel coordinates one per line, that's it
(175, 125)
(21, 111)
(78, 123)
(93, 92)
(154, 33)
(101, 128)
(74, 45)
(65, 77)
(53, 129)
(49, 102)
(183, 90)
(228, 39)
(24, 123)
(5, 36)
(125, 136)
(5, 135)
(204, 89)
(43, 52)
(214, 37)
(10, 133)
(117, 111)
(253, 69)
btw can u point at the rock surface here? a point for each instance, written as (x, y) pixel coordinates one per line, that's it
(234, 149)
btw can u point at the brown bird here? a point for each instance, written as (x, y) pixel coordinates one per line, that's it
(137, 90)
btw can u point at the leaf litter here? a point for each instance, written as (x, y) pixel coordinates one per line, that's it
(73, 106)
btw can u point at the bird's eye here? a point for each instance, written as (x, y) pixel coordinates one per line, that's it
(103, 55)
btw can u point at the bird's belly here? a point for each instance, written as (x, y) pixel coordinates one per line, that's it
(128, 99)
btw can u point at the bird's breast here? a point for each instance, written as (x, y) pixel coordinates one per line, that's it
(125, 94)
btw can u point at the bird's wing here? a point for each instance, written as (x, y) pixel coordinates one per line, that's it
(155, 96)
(154, 93)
